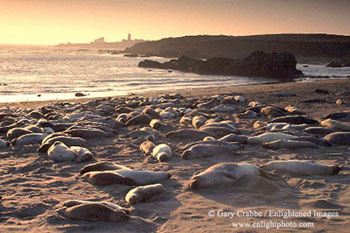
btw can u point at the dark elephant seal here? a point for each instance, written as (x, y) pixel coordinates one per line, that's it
(295, 120)
(141, 119)
(125, 177)
(338, 138)
(188, 134)
(102, 166)
(95, 212)
(207, 150)
(143, 193)
(147, 147)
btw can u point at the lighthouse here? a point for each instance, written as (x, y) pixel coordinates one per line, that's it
(129, 37)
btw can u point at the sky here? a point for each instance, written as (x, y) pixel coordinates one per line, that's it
(49, 22)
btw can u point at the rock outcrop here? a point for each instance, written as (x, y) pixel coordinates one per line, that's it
(281, 66)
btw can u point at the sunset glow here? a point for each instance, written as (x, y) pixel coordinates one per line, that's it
(53, 22)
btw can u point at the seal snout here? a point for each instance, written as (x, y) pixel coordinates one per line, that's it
(163, 157)
(335, 169)
(194, 184)
(186, 154)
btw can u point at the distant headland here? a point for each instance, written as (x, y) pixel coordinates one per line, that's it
(101, 43)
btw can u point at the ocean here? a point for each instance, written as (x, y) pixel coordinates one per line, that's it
(34, 74)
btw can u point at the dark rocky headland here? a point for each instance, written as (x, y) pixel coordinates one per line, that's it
(281, 66)
(305, 47)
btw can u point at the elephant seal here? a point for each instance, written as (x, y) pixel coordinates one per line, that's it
(71, 203)
(4, 143)
(234, 138)
(28, 139)
(217, 131)
(338, 138)
(295, 120)
(143, 193)
(162, 152)
(126, 177)
(318, 130)
(302, 168)
(83, 154)
(141, 119)
(206, 150)
(95, 212)
(17, 132)
(336, 125)
(102, 166)
(289, 144)
(155, 124)
(188, 134)
(271, 111)
(147, 147)
(60, 152)
(87, 133)
(198, 121)
(69, 141)
(269, 137)
(225, 173)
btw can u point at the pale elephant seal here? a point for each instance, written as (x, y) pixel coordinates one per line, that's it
(147, 147)
(338, 138)
(60, 152)
(155, 124)
(95, 212)
(207, 150)
(82, 153)
(126, 177)
(289, 144)
(302, 168)
(225, 173)
(162, 152)
(143, 193)
(269, 137)
(102, 166)
(69, 141)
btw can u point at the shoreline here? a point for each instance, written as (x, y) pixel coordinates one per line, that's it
(202, 91)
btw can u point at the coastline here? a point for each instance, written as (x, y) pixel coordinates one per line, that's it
(252, 90)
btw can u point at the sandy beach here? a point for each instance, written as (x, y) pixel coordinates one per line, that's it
(33, 187)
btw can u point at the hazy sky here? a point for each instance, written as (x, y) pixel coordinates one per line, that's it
(56, 21)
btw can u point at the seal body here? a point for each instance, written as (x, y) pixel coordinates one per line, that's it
(125, 177)
(269, 137)
(102, 166)
(60, 152)
(207, 149)
(95, 212)
(143, 193)
(147, 147)
(303, 168)
(162, 152)
(289, 144)
(224, 173)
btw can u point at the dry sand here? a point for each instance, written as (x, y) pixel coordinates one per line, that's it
(32, 186)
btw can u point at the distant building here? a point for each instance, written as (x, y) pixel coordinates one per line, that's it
(101, 43)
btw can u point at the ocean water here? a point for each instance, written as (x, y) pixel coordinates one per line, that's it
(34, 74)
